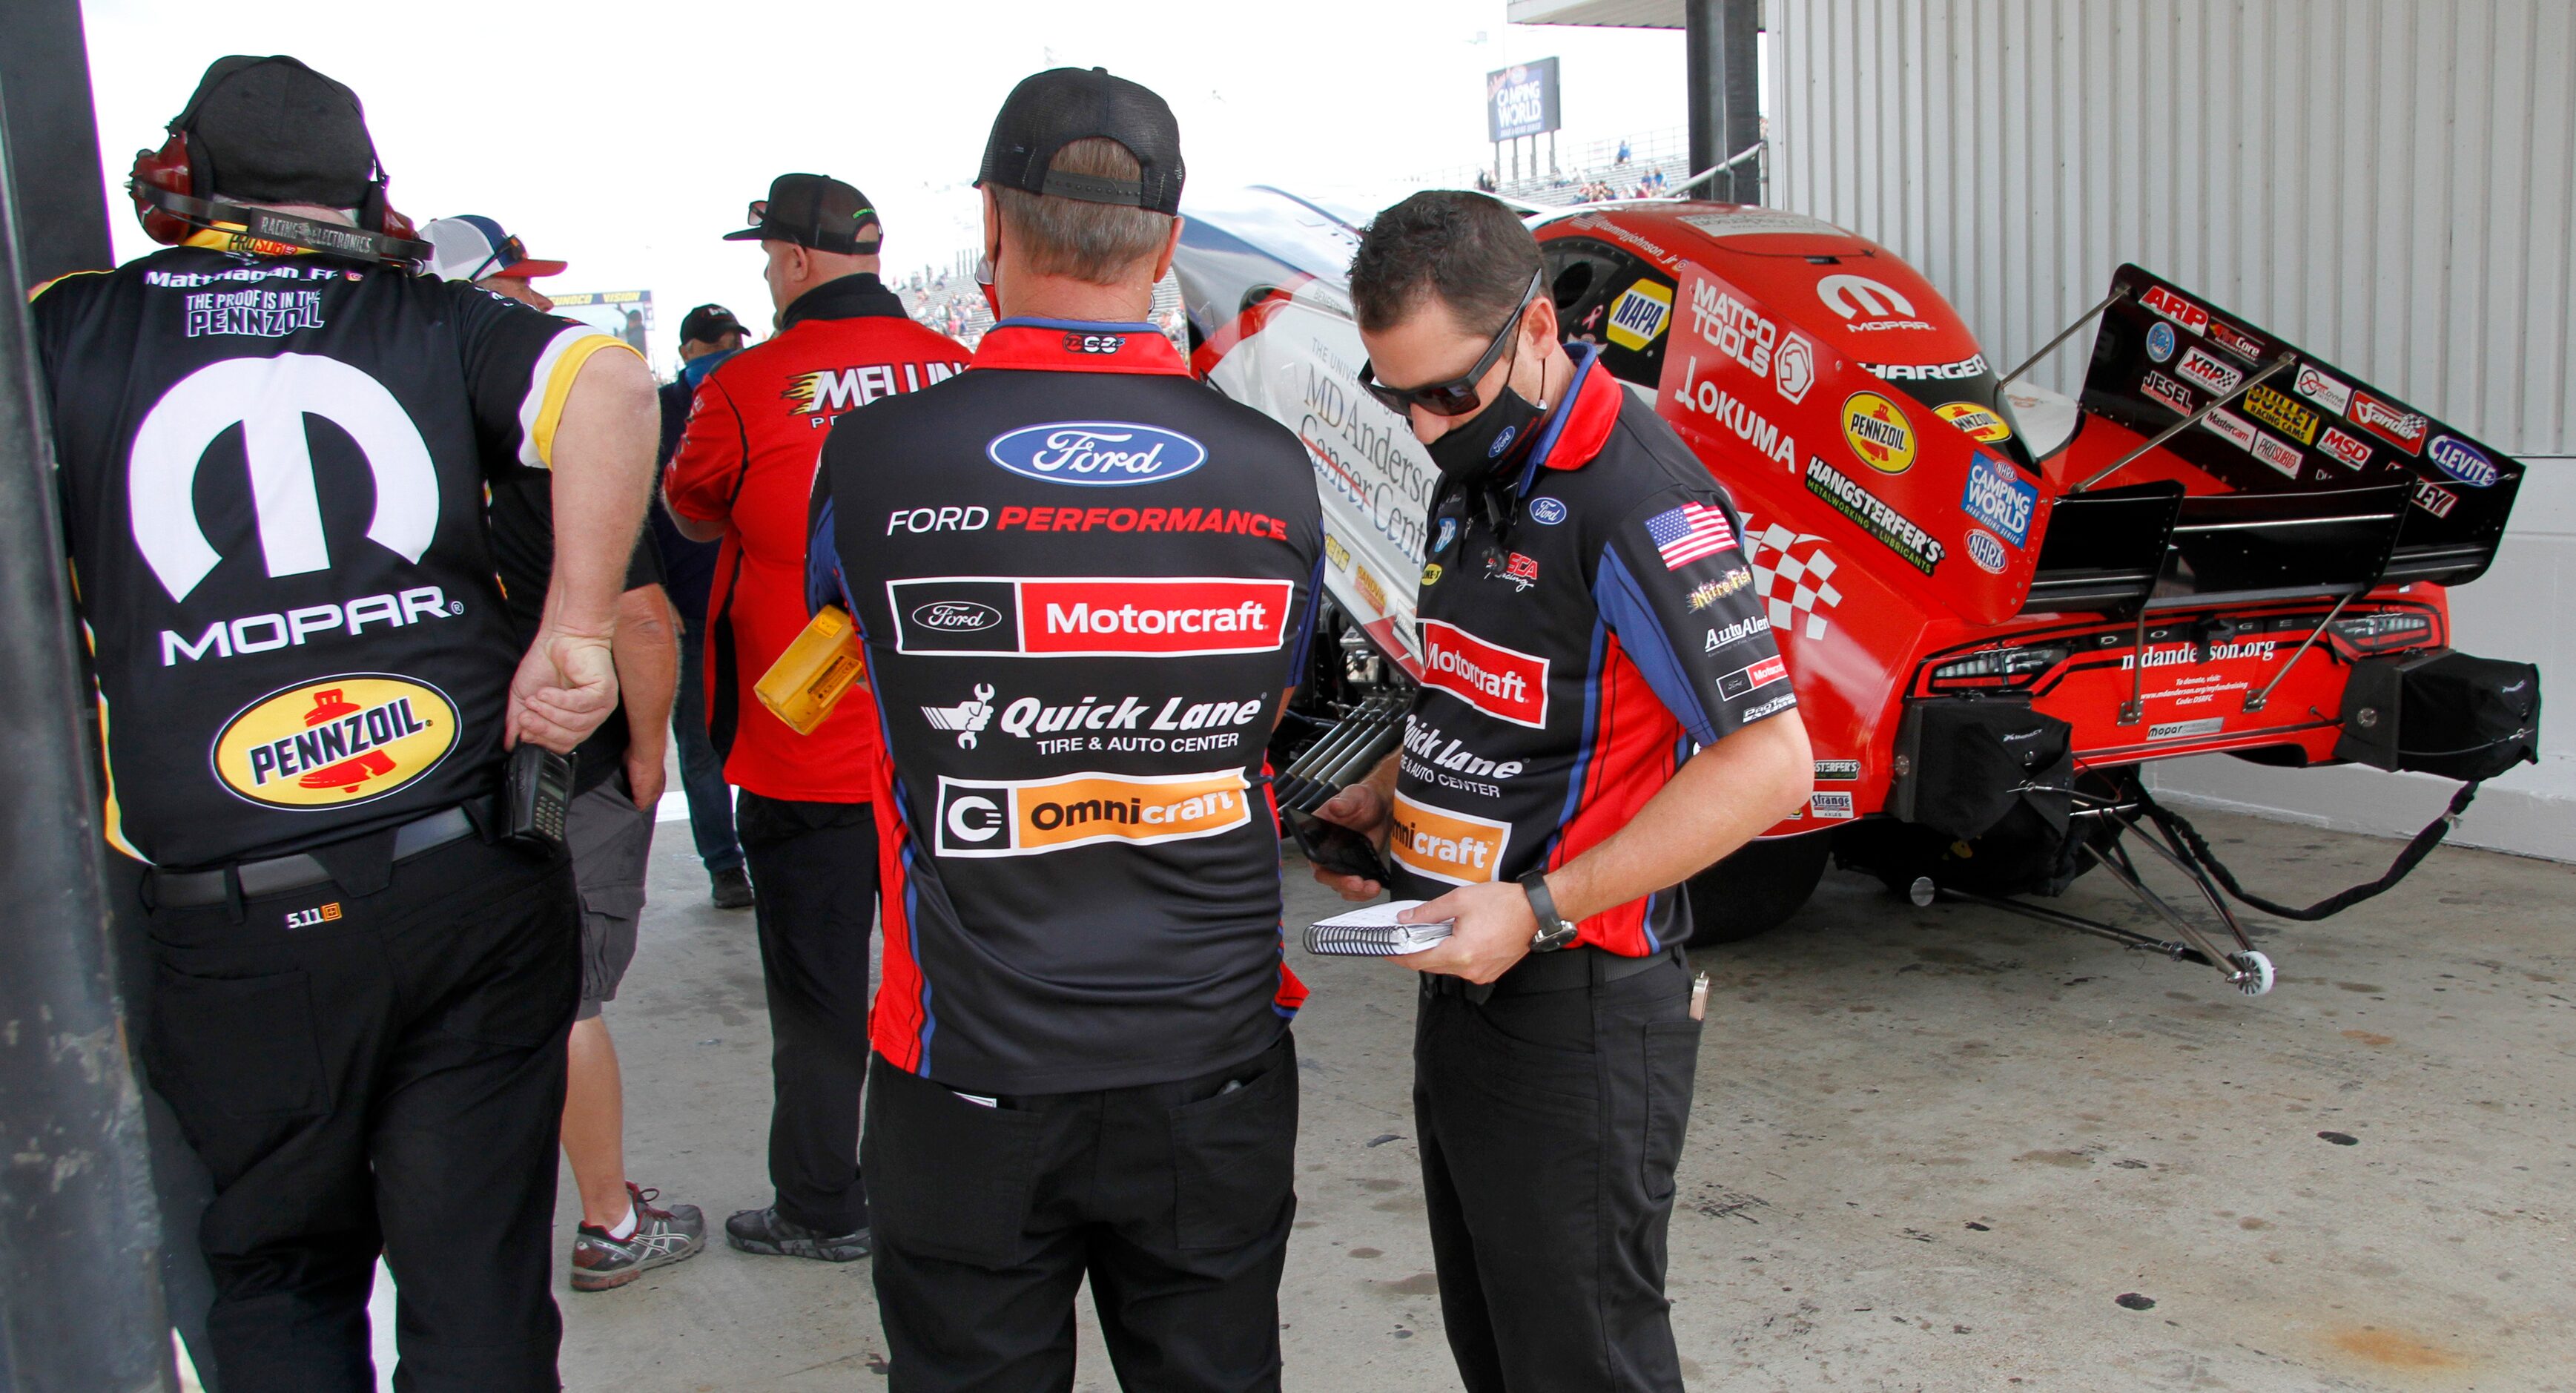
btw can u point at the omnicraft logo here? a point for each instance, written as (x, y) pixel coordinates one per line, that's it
(1100, 454)
(1090, 616)
(1458, 848)
(1501, 682)
(1032, 817)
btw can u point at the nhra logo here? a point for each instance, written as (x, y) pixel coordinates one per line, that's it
(1501, 682)
(1459, 848)
(1878, 432)
(1055, 617)
(1096, 454)
(1031, 817)
(335, 743)
(1988, 553)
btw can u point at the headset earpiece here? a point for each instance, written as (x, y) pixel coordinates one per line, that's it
(171, 169)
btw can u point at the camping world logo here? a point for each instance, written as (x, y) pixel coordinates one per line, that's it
(336, 742)
(1878, 432)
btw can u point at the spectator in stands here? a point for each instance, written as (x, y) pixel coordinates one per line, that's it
(1623, 151)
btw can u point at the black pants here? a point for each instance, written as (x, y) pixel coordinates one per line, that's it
(1175, 1199)
(814, 866)
(1550, 1125)
(389, 1079)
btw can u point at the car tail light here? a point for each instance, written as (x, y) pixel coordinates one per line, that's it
(2388, 631)
(1997, 669)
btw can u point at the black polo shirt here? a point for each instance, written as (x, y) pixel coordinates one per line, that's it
(1587, 620)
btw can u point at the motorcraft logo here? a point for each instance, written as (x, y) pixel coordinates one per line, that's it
(1892, 529)
(1090, 616)
(2390, 422)
(1097, 454)
(1761, 673)
(336, 742)
(1458, 848)
(2176, 308)
(1709, 592)
(1501, 682)
(1735, 633)
(983, 818)
(2282, 414)
(2208, 371)
(2000, 498)
(2168, 393)
(1878, 432)
(2463, 461)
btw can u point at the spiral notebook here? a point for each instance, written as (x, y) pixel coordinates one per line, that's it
(1372, 932)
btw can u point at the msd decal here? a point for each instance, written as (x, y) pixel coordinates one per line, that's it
(1096, 454)
(2390, 422)
(2176, 308)
(1092, 616)
(1504, 683)
(337, 742)
(2343, 449)
(1032, 817)
(1459, 848)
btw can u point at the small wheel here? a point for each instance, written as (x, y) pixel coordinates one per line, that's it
(2253, 974)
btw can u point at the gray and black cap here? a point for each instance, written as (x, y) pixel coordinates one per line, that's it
(272, 130)
(1053, 109)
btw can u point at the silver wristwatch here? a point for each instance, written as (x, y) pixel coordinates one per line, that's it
(1553, 932)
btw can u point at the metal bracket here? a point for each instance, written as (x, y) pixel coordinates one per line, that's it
(2254, 700)
(2249, 384)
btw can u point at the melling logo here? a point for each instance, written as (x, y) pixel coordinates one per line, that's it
(1099, 454)
(1498, 681)
(2463, 461)
(1878, 432)
(336, 742)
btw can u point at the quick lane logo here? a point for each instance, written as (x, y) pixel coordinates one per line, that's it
(1096, 454)
(1101, 616)
(337, 742)
(2345, 450)
(1032, 817)
(1501, 682)
(1458, 848)
(1878, 432)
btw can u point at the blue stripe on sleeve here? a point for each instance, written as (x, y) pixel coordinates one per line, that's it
(1624, 607)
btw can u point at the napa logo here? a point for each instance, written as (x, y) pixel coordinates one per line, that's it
(336, 742)
(1099, 454)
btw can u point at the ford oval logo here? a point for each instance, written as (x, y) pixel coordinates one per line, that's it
(1101, 454)
(2463, 461)
(956, 616)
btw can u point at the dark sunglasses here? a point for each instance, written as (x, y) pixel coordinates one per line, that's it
(510, 253)
(1457, 396)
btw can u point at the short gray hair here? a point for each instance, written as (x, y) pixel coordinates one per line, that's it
(1094, 242)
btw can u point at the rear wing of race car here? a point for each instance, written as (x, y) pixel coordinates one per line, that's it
(2215, 460)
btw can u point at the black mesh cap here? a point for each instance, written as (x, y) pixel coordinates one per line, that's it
(709, 324)
(816, 211)
(1052, 109)
(272, 130)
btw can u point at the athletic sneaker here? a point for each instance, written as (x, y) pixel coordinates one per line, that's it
(730, 888)
(661, 1237)
(767, 1233)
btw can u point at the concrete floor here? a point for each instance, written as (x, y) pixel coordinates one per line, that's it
(1931, 1150)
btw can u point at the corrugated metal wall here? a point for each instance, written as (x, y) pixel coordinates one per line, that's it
(2390, 183)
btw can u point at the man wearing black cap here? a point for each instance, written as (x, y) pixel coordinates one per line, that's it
(744, 469)
(1082, 580)
(363, 966)
(709, 334)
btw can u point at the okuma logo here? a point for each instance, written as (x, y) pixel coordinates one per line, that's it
(1099, 454)
(269, 399)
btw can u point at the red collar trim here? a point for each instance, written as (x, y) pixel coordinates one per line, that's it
(1588, 419)
(1097, 348)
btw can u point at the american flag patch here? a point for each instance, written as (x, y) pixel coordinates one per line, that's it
(1688, 533)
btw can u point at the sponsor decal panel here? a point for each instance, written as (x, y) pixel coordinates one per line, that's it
(2282, 414)
(2176, 308)
(1980, 422)
(1837, 771)
(1893, 529)
(2167, 392)
(2323, 390)
(2434, 499)
(2463, 461)
(336, 742)
(1974, 365)
(1031, 817)
(2211, 374)
(1742, 418)
(2278, 453)
(1709, 592)
(1685, 534)
(1987, 552)
(1098, 454)
(1878, 432)
(1727, 635)
(1094, 616)
(2390, 422)
(2235, 340)
(2184, 730)
(2344, 449)
(2000, 498)
(1458, 848)
(2234, 429)
(2160, 342)
(1760, 673)
(1829, 804)
(1639, 316)
(1501, 682)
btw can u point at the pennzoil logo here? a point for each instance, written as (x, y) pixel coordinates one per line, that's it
(336, 742)
(1031, 817)
(1878, 432)
(1455, 847)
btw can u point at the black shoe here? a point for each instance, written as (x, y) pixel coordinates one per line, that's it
(730, 888)
(764, 1232)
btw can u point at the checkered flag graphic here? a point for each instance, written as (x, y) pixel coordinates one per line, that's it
(1795, 574)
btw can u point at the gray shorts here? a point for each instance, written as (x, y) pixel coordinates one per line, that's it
(611, 841)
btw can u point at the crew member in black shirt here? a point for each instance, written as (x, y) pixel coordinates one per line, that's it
(1083, 581)
(273, 441)
(709, 334)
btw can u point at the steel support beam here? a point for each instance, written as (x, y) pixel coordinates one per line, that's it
(1725, 100)
(53, 138)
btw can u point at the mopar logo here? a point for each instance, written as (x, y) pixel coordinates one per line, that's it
(1096, 453)
(956, 616)
(2463, 461)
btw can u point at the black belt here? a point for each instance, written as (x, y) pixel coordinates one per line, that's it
(1559, 971)
(279, 874)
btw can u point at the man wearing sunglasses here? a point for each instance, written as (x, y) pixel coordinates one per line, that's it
(1590, 635)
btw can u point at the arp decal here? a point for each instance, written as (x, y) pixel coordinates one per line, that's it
(2000, 498)
(1089, 616)
(1878, 432)
(2463, 461)
(1458, 848)
(1980, 422)
(1501, 682)
(2390, 422)
(1640, 315)
(2176, 308)
(335, 742)
(1032, 817)
(1097, 454)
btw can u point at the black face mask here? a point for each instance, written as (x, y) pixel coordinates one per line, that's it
(1479, 446)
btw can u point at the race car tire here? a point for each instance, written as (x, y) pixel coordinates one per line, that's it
(1756, 889)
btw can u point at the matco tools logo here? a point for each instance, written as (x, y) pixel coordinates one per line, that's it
(1069, 616)
(1032, 817)
(1098, 454)
(1458, 848)
(1501, 682)
(336, 742)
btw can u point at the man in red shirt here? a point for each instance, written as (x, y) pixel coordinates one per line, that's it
(743, 472)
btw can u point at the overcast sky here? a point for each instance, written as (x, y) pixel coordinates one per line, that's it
(626, 136)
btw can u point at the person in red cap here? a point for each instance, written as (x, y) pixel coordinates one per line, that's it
(743, 472)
